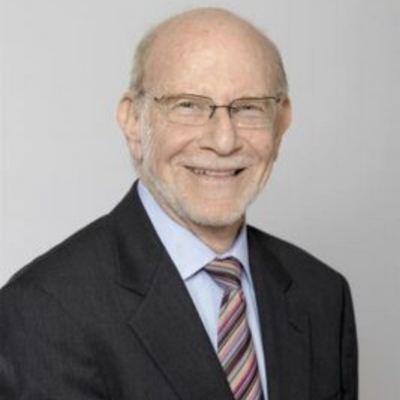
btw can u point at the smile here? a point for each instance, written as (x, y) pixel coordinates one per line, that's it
(216, 173)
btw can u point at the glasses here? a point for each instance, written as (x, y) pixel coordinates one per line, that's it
(195, 110)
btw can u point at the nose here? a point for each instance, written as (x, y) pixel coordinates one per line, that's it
(220, 134)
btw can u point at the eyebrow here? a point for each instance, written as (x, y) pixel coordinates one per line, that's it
(250, 97)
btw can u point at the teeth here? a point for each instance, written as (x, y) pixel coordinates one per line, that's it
(208, 172)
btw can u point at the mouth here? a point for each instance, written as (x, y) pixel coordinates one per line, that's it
(216, 173)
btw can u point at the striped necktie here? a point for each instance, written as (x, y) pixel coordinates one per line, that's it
(235, 345)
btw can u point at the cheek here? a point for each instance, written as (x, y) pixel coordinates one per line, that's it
(163, 147)
(264, 149)
(151, 140)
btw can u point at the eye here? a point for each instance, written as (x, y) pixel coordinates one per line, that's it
(186, 104)
(249, 109)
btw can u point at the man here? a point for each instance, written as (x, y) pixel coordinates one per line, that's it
(171, 295)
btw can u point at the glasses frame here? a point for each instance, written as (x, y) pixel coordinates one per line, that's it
(213, 106)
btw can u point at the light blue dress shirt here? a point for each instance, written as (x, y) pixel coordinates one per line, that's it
(190, 255)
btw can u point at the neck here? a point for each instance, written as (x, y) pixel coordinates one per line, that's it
(219, 239)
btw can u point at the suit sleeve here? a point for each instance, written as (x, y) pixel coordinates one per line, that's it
(43, 351)
(349, 351)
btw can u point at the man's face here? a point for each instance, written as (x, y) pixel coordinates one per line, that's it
(206, 175)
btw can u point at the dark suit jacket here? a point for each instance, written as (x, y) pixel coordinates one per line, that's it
(105, 315)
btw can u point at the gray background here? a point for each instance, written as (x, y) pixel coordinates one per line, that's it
(335, 189)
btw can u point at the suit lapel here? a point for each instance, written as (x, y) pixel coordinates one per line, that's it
(284, 324)
(171, 330)
(162, 314)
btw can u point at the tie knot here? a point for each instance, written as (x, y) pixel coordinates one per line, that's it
(226, 272)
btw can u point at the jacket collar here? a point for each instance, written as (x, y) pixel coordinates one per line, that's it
(138, 248)
(285, 325)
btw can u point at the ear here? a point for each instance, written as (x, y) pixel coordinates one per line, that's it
(282, 122)
(128, 119)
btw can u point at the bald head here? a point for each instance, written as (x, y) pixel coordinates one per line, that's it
(207, 30)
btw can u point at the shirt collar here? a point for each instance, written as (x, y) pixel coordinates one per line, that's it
(186, 250)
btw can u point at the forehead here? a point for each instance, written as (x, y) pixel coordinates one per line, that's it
(208, 55)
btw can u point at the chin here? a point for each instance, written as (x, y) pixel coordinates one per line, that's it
(202, 211)
(211, 218)
(205, 212)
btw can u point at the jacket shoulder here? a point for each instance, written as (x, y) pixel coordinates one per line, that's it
(303, 267)
(71, 266)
